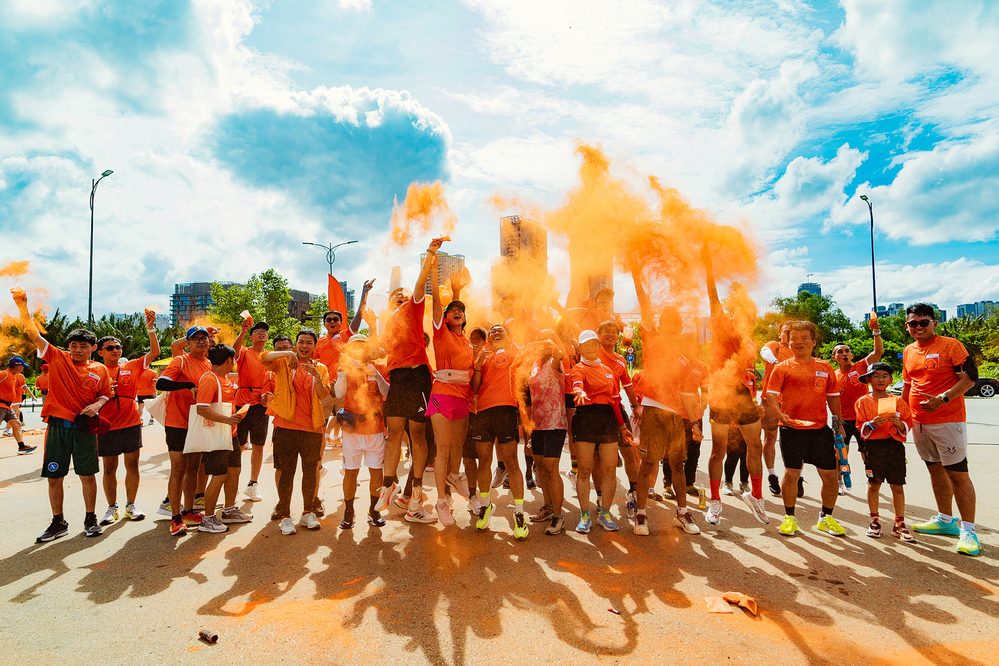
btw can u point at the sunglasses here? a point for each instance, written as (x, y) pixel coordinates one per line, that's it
(112, 347)
(331, 320)
(919, 323)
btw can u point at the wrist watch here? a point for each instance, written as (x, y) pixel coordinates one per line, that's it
(944, 397)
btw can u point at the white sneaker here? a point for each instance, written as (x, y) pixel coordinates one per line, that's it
(685, 521)
(212, 524)
(323, 471)
(571, 478)
(756, 506)
(474, 504)
(498, 478)
(253, 492)
(459, 482)
(714, 512)
(385, 497)
(234, 515)
(444, 512)
(287, 526)
(164, 509)
(842, 487)
(309, 521)
(419, 516)
(727, 488)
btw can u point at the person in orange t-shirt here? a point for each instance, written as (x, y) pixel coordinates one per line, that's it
(772, 353)
(125, 436)
(252, 377)
(410, 384)
(609, 332)
(800, 390)
(146, 390)
(884, 421)
(11, 383)
(79, 389)
(937, 371)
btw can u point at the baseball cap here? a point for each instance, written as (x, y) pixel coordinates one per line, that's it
(586, 336)
(17, 360)
(194, 330)
(455, 304)
(884, 367)
(260, 324)
(357, 337)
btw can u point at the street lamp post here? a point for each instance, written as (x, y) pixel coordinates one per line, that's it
(331, 251)
(90, 291)
(874, 284)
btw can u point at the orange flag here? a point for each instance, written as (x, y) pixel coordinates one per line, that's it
(338, 301)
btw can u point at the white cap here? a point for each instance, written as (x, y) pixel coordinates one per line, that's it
(586, 336)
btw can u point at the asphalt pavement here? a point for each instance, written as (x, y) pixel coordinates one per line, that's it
(429, 594)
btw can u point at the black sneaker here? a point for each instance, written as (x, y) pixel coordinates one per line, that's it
(318, 508)
(801, 487)
(774, 485)
(92, 529)
(58, 528)
(348, 519)
(531, 484)
(375, 519)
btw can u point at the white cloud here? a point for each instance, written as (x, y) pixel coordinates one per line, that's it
(355, 5)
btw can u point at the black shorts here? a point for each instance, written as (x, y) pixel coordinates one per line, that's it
(142, 398)
(468, 449)
(548, 443)
(218, 463)
(409, 391)
(885, 461)
(850, 428)
(595, 423)
(253, 426)
(497, 424)
(570, 401)
(7, 414)
(175, 438)
(739, 408)
(814, 447)
(117, 442)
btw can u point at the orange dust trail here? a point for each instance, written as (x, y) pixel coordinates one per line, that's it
(14, 269)
(424, 204)
(12, 339)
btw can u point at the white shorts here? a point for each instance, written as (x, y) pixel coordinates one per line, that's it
(945, 443)
(369, 449)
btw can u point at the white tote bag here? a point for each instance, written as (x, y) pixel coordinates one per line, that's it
(204, 435)
(157, 407)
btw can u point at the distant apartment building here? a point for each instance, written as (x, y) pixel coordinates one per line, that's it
(191, 301)
(348, 295)
(523, 251)
(811, 287)
(977, 309)
(447, 265)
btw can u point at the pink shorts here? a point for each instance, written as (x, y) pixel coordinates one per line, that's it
(450, 407)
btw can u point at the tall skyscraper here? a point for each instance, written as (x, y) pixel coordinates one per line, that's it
(447, 265)
(811, 288)
(523, 252)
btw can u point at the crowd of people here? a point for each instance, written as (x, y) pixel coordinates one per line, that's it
(535, 383)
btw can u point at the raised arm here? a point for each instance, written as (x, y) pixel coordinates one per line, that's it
(879, 347)
(421, 281)
(355, 323)
(716, 307)
(644, 306)
(154, 342)
(237, 344)
(27, 323)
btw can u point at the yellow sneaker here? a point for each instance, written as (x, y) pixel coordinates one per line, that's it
(829, 525)
(789, 527)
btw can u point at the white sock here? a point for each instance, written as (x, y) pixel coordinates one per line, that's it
(969, 527)
(944, 518)
(771, 470)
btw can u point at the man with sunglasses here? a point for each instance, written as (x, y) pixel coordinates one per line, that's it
(936, 372)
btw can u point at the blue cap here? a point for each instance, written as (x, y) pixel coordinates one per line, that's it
(17, 360)
(194, 330)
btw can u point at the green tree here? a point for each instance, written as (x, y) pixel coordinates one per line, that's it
(820, 310)
(265, 296)
(314, 317)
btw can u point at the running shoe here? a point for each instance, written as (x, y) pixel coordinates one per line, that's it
(714, 512)
(485, 513)
(252, 491)
(276, 515)
(570, 477)
(375, 519)
(506, 483)
(420, 516)
(199, 502)
(150, 420)
(165, 509)
(874, 531)
(385, 496)
(968, 544)
(309, 521)
(606, 522)
(642, 525)
(318, 508)
(177, 527)
(402, 502)
(584, 523)
(233, 515)
(531, 484)
(685, 521)
(26, 450)
(692, 491)
(499, 477)
(936, 525)
(632, 504)
(745, 488)
(323, 471)
(544, 514)
(801, 487)
(428, 470)
(774, 485)
(520, 525)
(287, 526)
(133, 513)
(842, 486)
(789, 527)
(348, 519)
(727, 488)
(668, 492)
(459, 483)
(213, 525)
(654, 496)
(192, 517)
(755, 505)
(55, 530)
(556, 526)
(829, 525)
(900, 531)
(92, 529)
(474, 504)
(444, 512)
(111, 515)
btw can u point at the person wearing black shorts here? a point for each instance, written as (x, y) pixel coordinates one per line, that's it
(251, 381)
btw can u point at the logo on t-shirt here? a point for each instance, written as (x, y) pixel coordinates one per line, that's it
(820, 381)
(90, 382)
(932, 361)
(53, 466)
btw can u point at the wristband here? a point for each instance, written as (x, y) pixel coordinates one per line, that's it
(944, 397)
(876, 334)
(150, 330)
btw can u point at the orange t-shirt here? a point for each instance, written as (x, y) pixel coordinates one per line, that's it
(403, 337)
(803, 389)
(867, 410)
(42, 382)
(252, 375)
(208, 392)
(667, 374)
(328, 350)
(183, 368)
(10, 389)
(596, 381)
(781, 352)
(851, 389)
(495, 389)
(302, 384)
(619, 367)
(452, 351)
(147, 382)
(122, 410)
(930, 369)
(363, 395)
(730, 354)
(74, 386)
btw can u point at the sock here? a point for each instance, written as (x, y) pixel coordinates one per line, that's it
(899, 520)
(166, 500)
(632, 486)
(518, 506)
(944, 518)
(417, 484)
(875, 517)
(966, 526)
(177, 517)
(757, 481)
(112, 506)
(683, 510)
(641, 512)
(21, 445)
(826, 511)
(599, 495)
(197, 495)
(485, 498)
(90, 515)
(373, 502)
(57, 518)
(349, 505)
(716, 489)
(251, 483)
(128, 504)
(771, 471)
(501, 465)
(574, 464)
(788, 510)
(389, 480)
(224, 509)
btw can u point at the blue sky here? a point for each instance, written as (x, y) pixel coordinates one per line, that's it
(237, 130)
